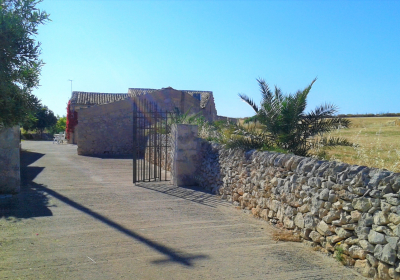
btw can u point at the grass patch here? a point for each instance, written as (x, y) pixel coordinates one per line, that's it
(339, 254)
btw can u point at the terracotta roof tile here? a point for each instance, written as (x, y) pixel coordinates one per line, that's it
(97, 98)
(203, 96)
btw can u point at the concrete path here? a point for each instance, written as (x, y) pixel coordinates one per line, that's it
(82, 218)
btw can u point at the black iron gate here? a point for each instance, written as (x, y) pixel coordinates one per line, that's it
(151, 148)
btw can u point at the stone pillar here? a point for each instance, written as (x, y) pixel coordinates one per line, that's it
(185, 150)
(10, 178)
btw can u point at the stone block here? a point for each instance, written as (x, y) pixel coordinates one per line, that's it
(342, 233)
(299, 220)
(315, 236)
(383, 271)
(363, 204)
(324, 229)
(368, 247)
(372, 260)
(362, 232)
(376, 237)
(357, 252)
(380, 218)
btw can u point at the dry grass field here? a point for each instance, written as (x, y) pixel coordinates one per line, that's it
(377, 139)
(377, 142)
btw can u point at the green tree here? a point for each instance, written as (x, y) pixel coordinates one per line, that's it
(60, 126)
(42, 119)
(286, 123)
(20, 65)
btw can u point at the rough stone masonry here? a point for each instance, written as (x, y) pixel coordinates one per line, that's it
(330, 204)
(10, 179)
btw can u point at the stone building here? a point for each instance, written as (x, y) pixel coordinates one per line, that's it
(105, 119)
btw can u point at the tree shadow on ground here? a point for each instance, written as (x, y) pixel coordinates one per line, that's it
(30, 202)
(109, 156)
(33, 199)
(171, 254)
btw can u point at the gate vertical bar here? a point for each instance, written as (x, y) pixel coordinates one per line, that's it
(166, 145)
(140, 140)
(134, 135)
(159, 146)
(156, 135)
(150, 127)
(147, 140)
(143, 135)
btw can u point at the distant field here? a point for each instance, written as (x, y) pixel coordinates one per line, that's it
(378, 139)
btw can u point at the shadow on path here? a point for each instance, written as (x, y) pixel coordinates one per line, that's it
(32, 201)
(109, 156)
(29, 202)
(193, 194)
(172, 255)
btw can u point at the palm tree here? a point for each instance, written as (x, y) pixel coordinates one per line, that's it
(286, 123)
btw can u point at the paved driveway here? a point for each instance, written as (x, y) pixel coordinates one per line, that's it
(82, 218)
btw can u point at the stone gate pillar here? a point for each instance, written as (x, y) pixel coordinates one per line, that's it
(186, 154)
(10, 160)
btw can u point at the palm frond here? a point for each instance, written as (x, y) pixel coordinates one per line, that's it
(324, 111)
(308, 88)
(278, 94)
(249, 101)
(264, 88)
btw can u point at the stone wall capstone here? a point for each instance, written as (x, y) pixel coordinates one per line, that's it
(330, 204)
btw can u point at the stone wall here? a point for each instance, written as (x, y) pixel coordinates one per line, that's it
(37, 136)
(169, 99)
(10, 160)
(210, 111)
(106, 129)
(339, 207)
(228, 119)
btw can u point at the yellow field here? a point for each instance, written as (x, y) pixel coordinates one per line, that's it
(377, 139)
(378, 142)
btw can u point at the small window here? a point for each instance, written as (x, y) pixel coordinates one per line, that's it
(197, 96)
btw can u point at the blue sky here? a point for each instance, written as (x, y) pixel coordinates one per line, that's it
(353, 47)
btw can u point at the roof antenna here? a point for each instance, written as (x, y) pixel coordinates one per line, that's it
(71, 87)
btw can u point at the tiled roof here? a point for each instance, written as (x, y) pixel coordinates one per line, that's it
(203, 96)
(140, 91)
(96, 98)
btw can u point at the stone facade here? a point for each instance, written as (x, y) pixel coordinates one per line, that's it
(329, 204)
(10, 179)
(168, 99)
(106, 130)
(201, 102)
